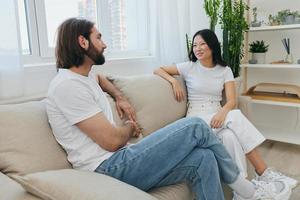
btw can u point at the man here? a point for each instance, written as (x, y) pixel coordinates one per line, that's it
(82, 122)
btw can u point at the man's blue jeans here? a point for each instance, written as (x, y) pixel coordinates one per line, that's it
(184, 151)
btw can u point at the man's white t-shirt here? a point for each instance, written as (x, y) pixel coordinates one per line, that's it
(204, 84)
(73, 98)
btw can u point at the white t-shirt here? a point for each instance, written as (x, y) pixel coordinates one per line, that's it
(73, 98)
(204, 84)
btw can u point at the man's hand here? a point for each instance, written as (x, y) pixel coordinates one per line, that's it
(125, 108)
(136, 128)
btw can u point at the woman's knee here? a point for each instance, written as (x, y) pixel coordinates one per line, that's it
(227, 137)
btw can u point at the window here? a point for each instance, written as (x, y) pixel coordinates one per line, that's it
(123, 23)
(23, 28)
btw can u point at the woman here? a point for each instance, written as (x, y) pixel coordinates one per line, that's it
(206, 75)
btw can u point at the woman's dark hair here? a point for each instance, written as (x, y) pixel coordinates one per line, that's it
(68, 52)
(213, 43)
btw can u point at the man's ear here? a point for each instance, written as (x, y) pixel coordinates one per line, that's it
(83, 42)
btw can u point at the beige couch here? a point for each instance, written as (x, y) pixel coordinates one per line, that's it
(31, 159)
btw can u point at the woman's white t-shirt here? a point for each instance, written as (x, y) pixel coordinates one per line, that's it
(73, 98)
(204, 85)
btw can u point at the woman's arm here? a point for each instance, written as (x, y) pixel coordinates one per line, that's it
(218, 120)
(167, 73)
(230, 96)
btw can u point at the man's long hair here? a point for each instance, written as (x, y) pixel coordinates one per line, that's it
(213, 43)
(68, 52)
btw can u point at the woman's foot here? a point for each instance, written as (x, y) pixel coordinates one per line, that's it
(271, 174)
(275, 190)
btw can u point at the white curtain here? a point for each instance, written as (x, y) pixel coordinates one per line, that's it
(173, 22)
(11, 70)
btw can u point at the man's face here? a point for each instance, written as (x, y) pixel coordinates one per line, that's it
(96, 47)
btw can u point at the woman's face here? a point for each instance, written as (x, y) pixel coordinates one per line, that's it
(201, 49)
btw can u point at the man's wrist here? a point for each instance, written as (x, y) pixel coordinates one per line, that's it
(119, 97)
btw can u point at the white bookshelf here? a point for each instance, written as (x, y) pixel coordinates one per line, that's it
(262, 111)
(280, 134)
(276, 103)
(279, 66)
(271, 28)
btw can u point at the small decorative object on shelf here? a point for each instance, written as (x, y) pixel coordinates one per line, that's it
(274, 20)
(255, 23)
(289, 57)
(258, 50)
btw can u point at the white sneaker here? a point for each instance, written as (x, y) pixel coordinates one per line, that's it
(271, 174)
(276, 190)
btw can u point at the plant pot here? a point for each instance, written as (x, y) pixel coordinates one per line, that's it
(259, 57)
(255, 24)
(290, 19)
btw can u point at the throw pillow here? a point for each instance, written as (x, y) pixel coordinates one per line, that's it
(78, 185)
(26, 141)
(153, 100)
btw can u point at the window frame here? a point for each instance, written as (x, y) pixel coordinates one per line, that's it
(38, 34)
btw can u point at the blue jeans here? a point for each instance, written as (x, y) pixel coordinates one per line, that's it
(184, 151)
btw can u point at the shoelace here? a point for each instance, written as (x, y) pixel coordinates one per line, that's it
(262, 191)
(275, 174)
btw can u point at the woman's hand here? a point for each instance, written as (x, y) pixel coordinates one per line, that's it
(178, 90)
(218, 119)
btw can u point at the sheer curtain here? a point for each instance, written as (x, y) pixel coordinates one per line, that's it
(11, 70)
(173, 22)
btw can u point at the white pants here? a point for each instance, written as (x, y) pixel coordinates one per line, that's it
(238, 135)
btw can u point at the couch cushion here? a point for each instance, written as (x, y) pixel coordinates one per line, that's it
(11, 190)
(173, 192)
(153, 100)
(26, 142)
(78, 185)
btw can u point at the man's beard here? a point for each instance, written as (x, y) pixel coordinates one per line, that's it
(95, 55)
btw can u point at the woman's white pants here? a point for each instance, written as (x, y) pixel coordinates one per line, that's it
(238, 135)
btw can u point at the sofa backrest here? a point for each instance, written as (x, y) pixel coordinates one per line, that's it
(26, 142)
(153, 100)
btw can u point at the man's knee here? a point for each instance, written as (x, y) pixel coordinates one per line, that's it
(196, 121)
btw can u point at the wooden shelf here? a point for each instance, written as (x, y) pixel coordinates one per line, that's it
(286, 66)
(270, 28)
(276, 103)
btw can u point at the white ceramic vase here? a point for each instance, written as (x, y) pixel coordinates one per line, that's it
(259, 57)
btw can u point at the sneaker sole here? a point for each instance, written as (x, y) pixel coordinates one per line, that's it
(285, 196)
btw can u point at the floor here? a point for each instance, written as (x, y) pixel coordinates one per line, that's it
(282, 156)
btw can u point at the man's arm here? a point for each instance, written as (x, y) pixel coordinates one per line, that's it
(101, 131)
(122, 104)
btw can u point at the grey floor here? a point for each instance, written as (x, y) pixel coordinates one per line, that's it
(284, 157)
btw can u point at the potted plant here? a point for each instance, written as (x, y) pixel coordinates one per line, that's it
(258, 50)
(287, 17)
(274, 20)
(212, 10)
(234, 25)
